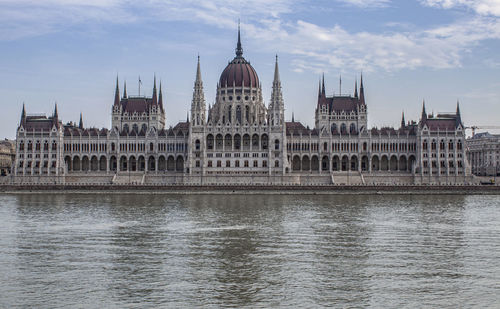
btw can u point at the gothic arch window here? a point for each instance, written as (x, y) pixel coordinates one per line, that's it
(238, 114)
(125, 128)
(197, 144)
(334, 127)
(135, 127)
(144, 127)
(276, 144)
(229, 114)
(247, 113)
(352, 128)
(343, 128)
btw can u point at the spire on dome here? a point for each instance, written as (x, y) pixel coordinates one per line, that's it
(239, 49)
(117, 92)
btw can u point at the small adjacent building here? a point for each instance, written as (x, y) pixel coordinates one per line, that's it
(7, 156)
(484, 154)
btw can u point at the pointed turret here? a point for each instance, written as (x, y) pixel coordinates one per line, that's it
(403, 120)
(155, 98)
(198, 106)
(80, 124)
(276, 105)
(239, 49)
(276, 71)
(361, 91)
(117, 93)
(55, 114)
(319, 88)
(424, 113)
(160, 98)
(23, 116)
(356, 88)
(323, 91)
(458, 115)
(124, 89)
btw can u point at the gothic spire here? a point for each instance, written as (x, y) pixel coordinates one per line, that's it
(198, 71)
(117, 92)
(356, 88)
(323, 85)
(403, 120)
(424, 113)
(155, 98)
(458, 115)
(276, 72)
(293, 117)
(160, 98)
(239, 49)
(56, 114)
(80, 125)
(361, 91)
(125, 89)
(319, 88)
(23, 115)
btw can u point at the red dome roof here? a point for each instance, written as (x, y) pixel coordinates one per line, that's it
(239, 72)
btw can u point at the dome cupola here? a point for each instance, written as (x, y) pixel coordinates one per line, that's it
(239, 72)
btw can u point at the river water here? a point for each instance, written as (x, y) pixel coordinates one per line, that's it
(249, 251)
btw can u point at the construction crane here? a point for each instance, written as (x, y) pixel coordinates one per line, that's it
(473, 128)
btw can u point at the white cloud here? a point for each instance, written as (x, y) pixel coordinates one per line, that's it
(366, 3)
(483, 7)
(315, 48)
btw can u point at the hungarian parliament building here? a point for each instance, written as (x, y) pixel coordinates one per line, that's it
(241, 140)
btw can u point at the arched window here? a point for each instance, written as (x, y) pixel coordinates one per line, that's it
(277, 144)
(126, 128)
(144, 127)
(352, 128)
(238, 114)
(334, 128)
(343, 128)
(197, 144)
(135, 127)
(247, 113)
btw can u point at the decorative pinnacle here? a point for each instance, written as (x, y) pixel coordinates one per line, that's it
(239, 49)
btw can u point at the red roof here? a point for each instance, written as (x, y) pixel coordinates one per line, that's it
(239, 72)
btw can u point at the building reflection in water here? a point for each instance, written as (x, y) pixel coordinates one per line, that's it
(241, 250)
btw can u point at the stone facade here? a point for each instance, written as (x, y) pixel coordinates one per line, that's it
(240, 140)
(7, 156)
(484, 154)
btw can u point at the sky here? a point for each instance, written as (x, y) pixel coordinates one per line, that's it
(70, 52)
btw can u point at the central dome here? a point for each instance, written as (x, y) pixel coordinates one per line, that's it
(239, 72)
